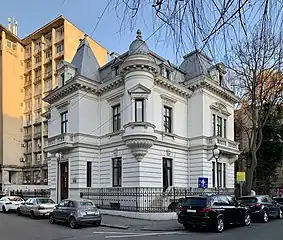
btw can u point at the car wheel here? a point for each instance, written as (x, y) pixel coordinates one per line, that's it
(52, 219)
(247, 221)
(19, 212)
(219, 225)
(32, 215)
(265, 217)
(4, 209)
(280, 214)
(73, 223)
(97, 224)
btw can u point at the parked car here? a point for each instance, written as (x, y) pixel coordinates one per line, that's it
(278, 199)
(36, 207)
(213, 211)
(262, 207)
(10, 203)
(76, 212)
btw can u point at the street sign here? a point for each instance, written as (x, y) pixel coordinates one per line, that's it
(202, 182)
(241, 176)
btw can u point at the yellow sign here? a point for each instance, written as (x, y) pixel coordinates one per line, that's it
(241, 176)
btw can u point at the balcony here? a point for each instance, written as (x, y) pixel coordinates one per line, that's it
(47, 44)
(225, 145)
(27, 151)
(37, 50)
(47, 74)
(27, 123)
(27, 69)
(37, 107)
(27, 83)
(45, 132)
(37, 121)
(37, 149)
(27, 55)
(37, 79)
(47, 60)
(27, 137)
(37, 65)
(59, 55)
(59, 38)
(139, 137)
(27, 96)
(60, 142)
(37, 135)
(27, 110)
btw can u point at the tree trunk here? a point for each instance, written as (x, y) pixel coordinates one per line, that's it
(250, 172)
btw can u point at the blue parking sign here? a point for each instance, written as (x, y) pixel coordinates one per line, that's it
(202, 182)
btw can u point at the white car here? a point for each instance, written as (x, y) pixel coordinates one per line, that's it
(10, 203)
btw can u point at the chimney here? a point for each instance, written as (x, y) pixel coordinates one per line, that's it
(13, 26)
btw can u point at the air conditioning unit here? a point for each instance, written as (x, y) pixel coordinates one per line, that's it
(39, 145)
(22, 159)
(45, 180)
(23, 145)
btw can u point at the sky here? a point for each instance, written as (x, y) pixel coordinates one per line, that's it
(33, 14)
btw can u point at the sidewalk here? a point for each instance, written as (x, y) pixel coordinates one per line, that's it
(138, 224)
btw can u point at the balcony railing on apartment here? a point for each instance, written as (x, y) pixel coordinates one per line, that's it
(48, 74)
(37, 106)
(27, 55)
(37, 65)
(37, 135)
(27, 83)
(37, 50)
(61, 141)
(59, 54)
(27, 123)
(27, 137)
(222, 142)
(45, 132)
(37, 120)
(47, 60)
(27, 110)
(27, 150)
(147, 200)
(37, 79)
(28, 96)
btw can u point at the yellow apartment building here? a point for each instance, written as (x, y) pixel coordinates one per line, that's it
(27, 74)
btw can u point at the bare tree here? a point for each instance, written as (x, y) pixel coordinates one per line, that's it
(257, 63)
(199, 24)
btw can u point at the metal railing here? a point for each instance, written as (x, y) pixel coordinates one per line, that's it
(147, 200)
(25, 194)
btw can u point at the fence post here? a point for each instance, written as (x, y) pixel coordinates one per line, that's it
(174, 198)
(136, 199)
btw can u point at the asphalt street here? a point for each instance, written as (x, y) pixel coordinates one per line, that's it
(13, 227)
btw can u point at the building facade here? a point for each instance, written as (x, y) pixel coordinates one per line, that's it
(33, 71)
(139, 121)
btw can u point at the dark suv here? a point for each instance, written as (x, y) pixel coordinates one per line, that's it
(213, 211)
(262, 207)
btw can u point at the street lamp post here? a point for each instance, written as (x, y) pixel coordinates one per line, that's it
(58, 157)
(216, 153)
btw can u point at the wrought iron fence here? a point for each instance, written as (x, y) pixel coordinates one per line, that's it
(145, 200)
(25, 194)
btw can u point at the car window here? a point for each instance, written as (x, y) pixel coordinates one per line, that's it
(196, 202)
(63, 204)
(16, 199)
(45, 201)
(248, 200)
(264, 200)
(231, 200)
(270, 200)
(71, 204)
(3, 199)
(223, 201)
(33, 202)
(86, 204)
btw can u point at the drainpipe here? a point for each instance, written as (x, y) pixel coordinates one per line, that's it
(188, 154)
(99, 147)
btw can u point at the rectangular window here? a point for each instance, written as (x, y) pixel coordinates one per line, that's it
(63, 79)
(117, 172)
(213, 174)
(167, 72)
(219, 126)
(60, 48)
(213, 125)
(64, 122)
(220, 174)
(167, 118)
(224, 175)
(167, 173)
(88, 174)
(224, 128)
(116, 118)
(139, 110)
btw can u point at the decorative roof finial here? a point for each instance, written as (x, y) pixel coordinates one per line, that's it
(139, 34)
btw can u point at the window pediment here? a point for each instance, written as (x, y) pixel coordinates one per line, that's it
(139, 90)
(62, 107)
(220, 107)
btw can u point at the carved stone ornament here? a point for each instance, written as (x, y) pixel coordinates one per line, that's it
(139, 146)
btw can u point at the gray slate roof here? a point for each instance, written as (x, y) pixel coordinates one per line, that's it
(86, 62)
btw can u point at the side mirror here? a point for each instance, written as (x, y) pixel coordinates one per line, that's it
(56, 206)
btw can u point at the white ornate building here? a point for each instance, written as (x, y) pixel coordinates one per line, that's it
(139, 121)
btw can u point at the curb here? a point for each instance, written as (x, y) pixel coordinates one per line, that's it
(114, 226)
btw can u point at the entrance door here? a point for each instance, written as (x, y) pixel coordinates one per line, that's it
(64, 180)
(167, 173)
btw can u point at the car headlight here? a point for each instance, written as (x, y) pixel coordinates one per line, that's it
(80, 213)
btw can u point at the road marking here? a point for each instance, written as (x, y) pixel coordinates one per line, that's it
(116, 233)
(145, 234)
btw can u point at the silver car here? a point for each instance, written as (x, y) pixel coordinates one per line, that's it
(36, 207)
(76, 212)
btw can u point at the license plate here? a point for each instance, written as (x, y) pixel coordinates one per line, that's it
(192, 211)
(90, 213)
